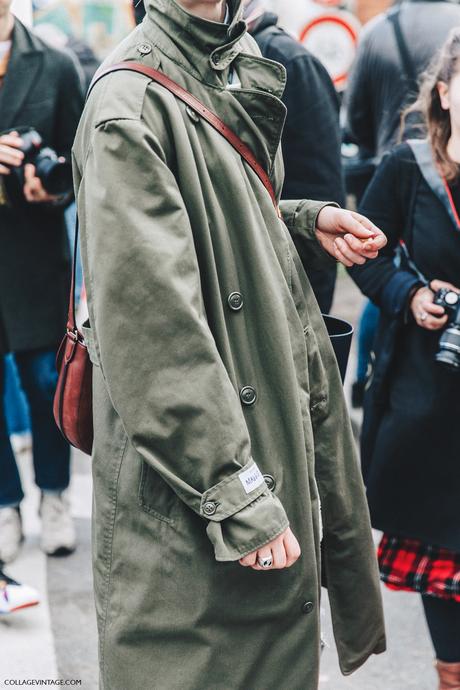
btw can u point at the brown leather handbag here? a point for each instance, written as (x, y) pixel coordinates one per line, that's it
(73, 398)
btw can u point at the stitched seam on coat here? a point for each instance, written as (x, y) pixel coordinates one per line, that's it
(109, 541)
(250, 499)
(143, 504)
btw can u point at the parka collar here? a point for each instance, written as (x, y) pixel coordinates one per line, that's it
(206, 47)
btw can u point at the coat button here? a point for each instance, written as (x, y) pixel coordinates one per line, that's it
(308, 607)
(235, 301)
(192, 115)
(270, 481)
(209, 508)
(144, 48)
(248, 395)
(215, 59)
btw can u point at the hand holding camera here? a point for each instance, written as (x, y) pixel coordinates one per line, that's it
(432, 306)
(10, 152)
(33, 172)
(438, 307)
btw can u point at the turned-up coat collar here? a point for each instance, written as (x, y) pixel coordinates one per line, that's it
(203, 47)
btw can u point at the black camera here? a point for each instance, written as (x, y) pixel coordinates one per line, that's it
(54, 173)
(449, 344)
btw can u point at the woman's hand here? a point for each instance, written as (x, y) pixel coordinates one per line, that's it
(11, 155)
(283, 551)
(428, 315)
(348, 236)
(34, 191)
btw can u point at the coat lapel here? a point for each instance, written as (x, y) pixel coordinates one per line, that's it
(25, 64)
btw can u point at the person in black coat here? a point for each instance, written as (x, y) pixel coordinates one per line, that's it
(410, 440)
(311, 139)
(40, 88)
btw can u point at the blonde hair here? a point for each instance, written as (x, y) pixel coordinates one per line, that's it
(437, 120)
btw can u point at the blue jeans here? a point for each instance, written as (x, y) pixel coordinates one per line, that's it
(51, 453)
(16, 409)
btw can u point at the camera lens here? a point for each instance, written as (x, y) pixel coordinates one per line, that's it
(449, 348)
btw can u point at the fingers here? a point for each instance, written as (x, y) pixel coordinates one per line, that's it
(346, 255)
(436, 285)
(34, 191)
(33, 186)
(292, 548)
(430, 323)
(428, 315)
(279, 555)
(434, 309)
(10, 155)
(283, 551)
(249, 560)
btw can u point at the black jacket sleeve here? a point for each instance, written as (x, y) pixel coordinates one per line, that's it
(388, 203)
(360, 118)
(311, 140)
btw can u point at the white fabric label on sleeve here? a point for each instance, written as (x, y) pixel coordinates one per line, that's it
(251, 478)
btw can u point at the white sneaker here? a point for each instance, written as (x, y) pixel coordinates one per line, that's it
(58, 531)
(11, 535)
(14, 596)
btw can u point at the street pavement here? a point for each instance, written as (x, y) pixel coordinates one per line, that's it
(57, 640)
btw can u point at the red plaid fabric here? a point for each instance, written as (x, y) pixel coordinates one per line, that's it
(409, 565)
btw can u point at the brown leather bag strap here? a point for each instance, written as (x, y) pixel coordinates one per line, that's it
(210, 117)
(194, 103)
(71, 318)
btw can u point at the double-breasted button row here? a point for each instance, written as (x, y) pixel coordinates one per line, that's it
(193, 115)
(307, 607)
(235, 301)
(248, 395)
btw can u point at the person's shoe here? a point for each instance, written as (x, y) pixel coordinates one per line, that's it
(11, 536)
(14, 596)
(58, 531)
(449, 675)
(357, 394)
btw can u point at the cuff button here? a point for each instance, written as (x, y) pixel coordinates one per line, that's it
(270, 481)
(210, 508)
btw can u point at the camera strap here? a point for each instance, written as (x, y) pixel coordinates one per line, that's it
(423, 154)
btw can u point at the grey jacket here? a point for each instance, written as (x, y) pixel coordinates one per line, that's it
(378, 90)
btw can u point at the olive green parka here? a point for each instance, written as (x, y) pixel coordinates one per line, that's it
(218, 406)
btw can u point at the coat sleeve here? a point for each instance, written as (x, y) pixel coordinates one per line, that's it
(360, 119)
(159, 360)
(312, 138)
(387, 203)
(300, 219)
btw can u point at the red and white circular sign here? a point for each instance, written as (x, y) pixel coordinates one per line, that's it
(333, 38)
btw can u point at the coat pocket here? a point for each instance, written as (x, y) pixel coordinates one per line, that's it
(155, 496)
